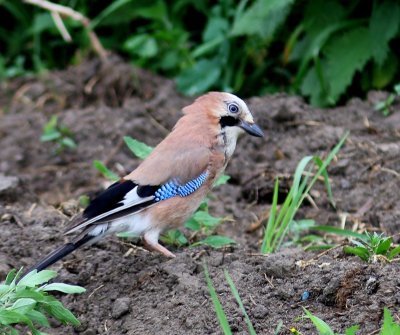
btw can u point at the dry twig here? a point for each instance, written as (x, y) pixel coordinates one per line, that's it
(58, 11)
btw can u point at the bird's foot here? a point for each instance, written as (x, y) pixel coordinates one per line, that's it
(155, 246)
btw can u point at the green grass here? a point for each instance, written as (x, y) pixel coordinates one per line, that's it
(280, 220)
(26, 301)
(61, 135)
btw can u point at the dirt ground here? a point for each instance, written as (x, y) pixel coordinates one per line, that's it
(132, 291)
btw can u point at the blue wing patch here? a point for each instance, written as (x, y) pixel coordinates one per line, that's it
(173, 188)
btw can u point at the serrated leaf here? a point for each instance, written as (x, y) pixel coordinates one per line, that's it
(346, 55)
(389, 326)
(216, 241)
(65, 288)
(99, 166)
(383, 27)
(139, 149)
(35, 278)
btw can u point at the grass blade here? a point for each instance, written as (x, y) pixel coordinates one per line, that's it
(268, 234)
(223, 321)
(240, 303)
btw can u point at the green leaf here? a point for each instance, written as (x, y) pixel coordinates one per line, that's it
(321, 325)
(193, 224)
(352, 330)
(139, 149)
(389, 326)
(59, 312)
(394, 252)
(222, 180)
(8, 317)
(99, 166)
(383, 27)
(262, 18)
(142, 45)
(383, 246)
(206, 219)
(221, 316)
(346, 55)
(174, 237)
(35, 278)
(65, 288)
(38, 317)
(358, 251)
(23, 305)
(240, 303)
(50, 136)
(68, 142)
(11, 276)
(200, 77)
(215, 241)
(339, 231)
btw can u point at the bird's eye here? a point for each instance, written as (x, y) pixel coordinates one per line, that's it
(233, 107)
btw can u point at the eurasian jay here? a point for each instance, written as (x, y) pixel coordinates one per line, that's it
(169, 185)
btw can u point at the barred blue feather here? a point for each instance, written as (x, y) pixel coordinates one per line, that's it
(173, 188)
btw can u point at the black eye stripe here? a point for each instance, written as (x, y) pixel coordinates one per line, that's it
(228, 121)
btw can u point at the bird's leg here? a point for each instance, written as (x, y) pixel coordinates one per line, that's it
(150, 240)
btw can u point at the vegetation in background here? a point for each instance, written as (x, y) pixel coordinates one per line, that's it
(385, 106)
(201, 223)
(373, 247)
(28, 302)
(324, 50)
(59, 134)
(280, 220)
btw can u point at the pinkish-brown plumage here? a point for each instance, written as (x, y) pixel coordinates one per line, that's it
(169, 185)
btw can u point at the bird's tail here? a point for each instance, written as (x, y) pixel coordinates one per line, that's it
(61, 252)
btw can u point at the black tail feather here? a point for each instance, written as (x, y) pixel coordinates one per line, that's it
(60, 253)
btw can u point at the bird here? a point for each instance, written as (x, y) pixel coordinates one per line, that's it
(170, 184)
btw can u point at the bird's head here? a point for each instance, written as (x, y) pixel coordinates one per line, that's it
(230, 112)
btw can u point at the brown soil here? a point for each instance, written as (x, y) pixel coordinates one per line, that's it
(132, 291)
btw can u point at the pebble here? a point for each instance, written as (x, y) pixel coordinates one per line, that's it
(8, 183)
(120, 307)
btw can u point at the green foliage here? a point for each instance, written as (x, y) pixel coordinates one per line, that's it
(389, 327)
(372, 247)
(59, 134)
(278, 222)
(324, 50)
(27, 302)
(324, 329)
(201, 222)
(385, 106)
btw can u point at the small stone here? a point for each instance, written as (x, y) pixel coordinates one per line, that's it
(120, 307)
(260, 312)
(8, 183)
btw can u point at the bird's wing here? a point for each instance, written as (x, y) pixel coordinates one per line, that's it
(129, 196)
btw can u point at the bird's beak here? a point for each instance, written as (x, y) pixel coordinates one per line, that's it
(251, 128)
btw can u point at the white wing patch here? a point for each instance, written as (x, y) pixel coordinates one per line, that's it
(129, 200)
